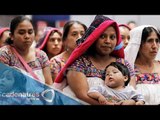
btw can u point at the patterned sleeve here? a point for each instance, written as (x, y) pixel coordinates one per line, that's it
(56, 65)
(5, 55)
(125, 62)
(43, 58)
(131, 70)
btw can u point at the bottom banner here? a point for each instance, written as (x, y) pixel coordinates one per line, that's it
(17, 88)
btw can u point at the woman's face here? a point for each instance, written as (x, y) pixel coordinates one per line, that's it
(6, 81)
(23, 35)
(54, 44)
(76, 31)
(150, 48)
(106, 42)
(124, 35)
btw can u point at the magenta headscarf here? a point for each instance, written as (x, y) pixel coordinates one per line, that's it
(3, 30)
(124, 25)
(46, 33)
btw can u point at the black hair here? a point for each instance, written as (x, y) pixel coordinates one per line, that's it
(147, 31)
(121, 67)
(67, 27)
(14, 23)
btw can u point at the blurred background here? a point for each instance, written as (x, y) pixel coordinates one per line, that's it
(41, 21)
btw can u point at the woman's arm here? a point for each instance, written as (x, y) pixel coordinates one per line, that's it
(45, 64)
(79, 85)
(95, 95)
(101, 99)
(55, 66)
(47, 75)
(133, 82)
(132, 74)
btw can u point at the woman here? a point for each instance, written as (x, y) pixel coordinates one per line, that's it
(19, 53)
(141, 52)
(124, 31)
(72, 31)
(100, 46)
(4, 34)
(51, 42)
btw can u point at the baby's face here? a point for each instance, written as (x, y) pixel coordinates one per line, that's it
(6, 81)
(114, 78)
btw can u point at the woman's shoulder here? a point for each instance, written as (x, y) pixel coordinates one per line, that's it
(6, 50)
(58, 57)
(40, 53)
(57, 60)
(84, 59)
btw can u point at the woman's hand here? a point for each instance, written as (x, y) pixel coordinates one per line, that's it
(102, 100)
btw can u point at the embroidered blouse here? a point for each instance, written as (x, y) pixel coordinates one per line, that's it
(84, 64)
(146, 78)
(7, 56)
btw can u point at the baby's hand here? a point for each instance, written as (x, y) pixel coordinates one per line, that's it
(126, 102)
(118, 103)
(103, 101)
(140, 102)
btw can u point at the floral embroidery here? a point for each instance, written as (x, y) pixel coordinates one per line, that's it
(83, 64)
(147, 78)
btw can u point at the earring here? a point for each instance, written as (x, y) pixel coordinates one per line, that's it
(67, 49)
